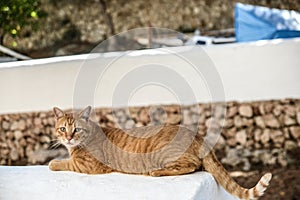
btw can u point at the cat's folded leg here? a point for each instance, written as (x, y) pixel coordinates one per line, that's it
(186, 164)
(174, 170)
(59, 165)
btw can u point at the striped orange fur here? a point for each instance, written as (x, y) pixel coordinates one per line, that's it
(151, 150)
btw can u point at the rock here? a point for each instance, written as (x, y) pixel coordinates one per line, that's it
(232, 158)
(176, 109)
(271, 121)
(257, 145)
(51, 121)
(230, 133)
(158, 114)
(37, 121)
(298, 117)
(139, 124)
(18, 135)
(248, 122)
(30, 140)
(9, 135)
(267, 158)
(173, 119)
(235, 157)
(187, 117)
(129, 124)
(295, 132)
(45, 121)
(45, 139)
(218, 111)
(288, 121)
(212, 138)
(5, 125)
(22, 125)
(133, 112)
(249, 144)
(238, 122)
(242, 122)
(42, 115)
(261, 109)
(3, 146)
(21, 152)
(14, 155)
(277, 137)
(46, 146)
(247, 165)
(3, 162)
(221, 143)
(110, 118)
(212, 123)
(36, 130)
(231, 111)
(228, 123)
(231, 142)
(268, 107)
(259, 122)
(119, 113)
(265, 137)
(290, 110)
(282, 160)
(286, 133)
(277, 110)
(257, 134)
(28, 150)
(143, 116)
(14, 126)
(241, 137)
(290, 145)
(246, 111)
(23, 142)
(196, 109)
(4, 152)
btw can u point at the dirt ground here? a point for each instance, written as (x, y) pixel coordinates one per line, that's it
(284, 185)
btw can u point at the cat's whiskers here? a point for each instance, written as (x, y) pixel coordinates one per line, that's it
(56, 144)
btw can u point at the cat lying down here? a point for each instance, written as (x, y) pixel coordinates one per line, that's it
(152, 150)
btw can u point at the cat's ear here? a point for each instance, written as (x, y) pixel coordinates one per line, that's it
(85, 114)
(58, 112)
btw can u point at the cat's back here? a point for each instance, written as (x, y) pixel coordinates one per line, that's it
(150, 138)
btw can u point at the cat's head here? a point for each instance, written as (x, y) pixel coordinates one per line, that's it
(72, 128)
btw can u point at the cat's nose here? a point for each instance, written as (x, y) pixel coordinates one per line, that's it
(69, 138)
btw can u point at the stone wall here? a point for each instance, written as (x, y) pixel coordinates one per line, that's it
(261, 132)
(82, 22)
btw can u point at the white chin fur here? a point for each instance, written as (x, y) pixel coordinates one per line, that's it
(70, 144)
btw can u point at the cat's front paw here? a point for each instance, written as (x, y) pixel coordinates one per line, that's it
(54, 165)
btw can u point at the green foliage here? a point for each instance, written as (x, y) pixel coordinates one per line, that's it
(15, 14)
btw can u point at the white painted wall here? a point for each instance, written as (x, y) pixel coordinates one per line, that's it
(247, 71)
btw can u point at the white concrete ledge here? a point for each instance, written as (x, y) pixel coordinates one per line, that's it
(38, 182)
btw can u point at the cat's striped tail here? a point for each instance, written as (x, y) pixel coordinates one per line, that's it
(213, 166)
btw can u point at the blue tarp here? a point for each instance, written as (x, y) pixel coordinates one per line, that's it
(261, 23)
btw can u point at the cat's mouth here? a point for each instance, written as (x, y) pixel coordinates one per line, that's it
(70, 143)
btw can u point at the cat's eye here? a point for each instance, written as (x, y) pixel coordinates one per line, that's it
(62, 129)
(76, 130)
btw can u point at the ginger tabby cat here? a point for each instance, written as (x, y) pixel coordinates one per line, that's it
(153, 150)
